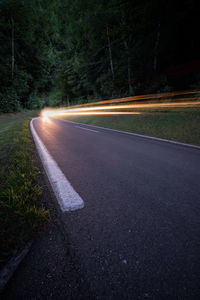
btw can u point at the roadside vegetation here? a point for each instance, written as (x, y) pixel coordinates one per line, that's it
(21, 216)
(59, 53)
(174, 124)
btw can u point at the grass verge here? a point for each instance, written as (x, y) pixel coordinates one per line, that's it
(181, 125)
(21, 215)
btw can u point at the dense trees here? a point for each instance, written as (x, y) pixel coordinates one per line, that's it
(68, 51)
(27, 29)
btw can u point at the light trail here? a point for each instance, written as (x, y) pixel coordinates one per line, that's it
(111, 107)
(145, 97)
(91, 113)
(93, 110)
(107, 109)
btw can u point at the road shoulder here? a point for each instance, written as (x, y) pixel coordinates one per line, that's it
(48, 271)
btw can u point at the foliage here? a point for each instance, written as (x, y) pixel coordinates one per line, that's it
(9, 101)
(20, 213)
(34, 101)
(120, 48)
(78, 50)
(27, 31)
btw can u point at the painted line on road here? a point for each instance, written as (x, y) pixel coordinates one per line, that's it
(67, 197)
(87, 129)
(138, 135)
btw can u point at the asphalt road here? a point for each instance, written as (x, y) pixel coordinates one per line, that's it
(138, 235)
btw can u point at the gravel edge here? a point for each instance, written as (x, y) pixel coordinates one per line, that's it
(7, 272)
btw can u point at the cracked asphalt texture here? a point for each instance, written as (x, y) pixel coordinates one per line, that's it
(137, 236)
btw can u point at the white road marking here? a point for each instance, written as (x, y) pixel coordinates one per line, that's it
(87, 129)
(67, 197)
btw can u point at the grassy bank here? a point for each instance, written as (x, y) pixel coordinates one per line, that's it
(181, 125)
(20, 213)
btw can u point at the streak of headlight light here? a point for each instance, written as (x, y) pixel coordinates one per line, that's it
(97, 113)
(130, 99)
(113, 106)
(145, 97)
(146, 105)
(77, 111)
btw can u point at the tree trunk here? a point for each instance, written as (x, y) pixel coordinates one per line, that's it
(155, 62)
(131, 92)
(13, 46)
(110, 54)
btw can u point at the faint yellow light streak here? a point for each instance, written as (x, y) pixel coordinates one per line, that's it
(124, 106)
(108, 109)
(146, 97)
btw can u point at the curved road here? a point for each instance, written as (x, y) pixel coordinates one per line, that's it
(138, 235)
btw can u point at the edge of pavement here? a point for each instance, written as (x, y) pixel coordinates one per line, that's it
(136, 134)
(7, 272)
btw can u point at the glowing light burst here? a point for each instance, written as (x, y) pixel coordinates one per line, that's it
(103, 109)
(45, 117)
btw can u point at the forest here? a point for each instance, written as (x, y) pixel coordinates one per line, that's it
(66, 52)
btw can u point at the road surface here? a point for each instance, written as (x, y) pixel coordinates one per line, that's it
(138, 235)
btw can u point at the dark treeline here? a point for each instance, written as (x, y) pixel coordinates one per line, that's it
(61, 52)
